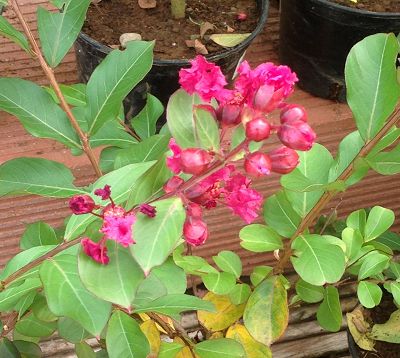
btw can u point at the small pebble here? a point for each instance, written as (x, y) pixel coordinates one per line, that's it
(129, 36)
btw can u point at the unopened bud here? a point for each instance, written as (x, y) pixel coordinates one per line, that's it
(195, 231)
(148, 210)
(194, 160)
(194, 210)
(81, 204)
(267, 98)
(172, 184)
(297, 135)
(229, 114)
(283, 160)
(257, 164)
(258, 129)
(293, 112)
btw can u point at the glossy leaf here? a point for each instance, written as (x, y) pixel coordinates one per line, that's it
(144, 123)
(71, 330)
(259, 273)
(38, 234)
(59, 30)
(33, 327)
(266, 314)
(317, 261)
(379, 220)
(353, 240)
(61, 279)
(280, 215)
(36, 110)
(10, 296)
(220, 348)
(206, 127)
(240, 294)
(157, 237)
(115, 282)
(357, 220)
(369, 294)
(124, 337)
(309, 293)
(229, 261)
(113, 79)
(74, 94)
(226, 313)
(329, 314)
(373, 264)
(220, 283)
(371, 70)
(9, 31)
(252, 348)
(260, 238)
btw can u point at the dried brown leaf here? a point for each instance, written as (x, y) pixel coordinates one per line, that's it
(189, 43)
(200, 48)
(204, 27)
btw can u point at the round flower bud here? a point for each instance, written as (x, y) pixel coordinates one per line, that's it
(257, 164)
(195, 231)
(297, 135)
(81, 204)
(293, 112)
(194, 160)
(229, 114)
(172, 184)
(258, 129)
(283, 160)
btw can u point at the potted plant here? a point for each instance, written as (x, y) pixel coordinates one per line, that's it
(116, 274)
(173, 33)
(335, 25)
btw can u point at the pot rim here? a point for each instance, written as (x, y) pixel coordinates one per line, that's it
(348, 9)
(263, 12)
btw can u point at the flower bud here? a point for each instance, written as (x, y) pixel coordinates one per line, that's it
(297, 135)
(195, 231)
(194, 160)
(283, 160)
(104, 193)
(258, 129)
(241, 16)
(257, 164)
(293, 112)
(81, 204)
(172, 184)
(247, 114)
(262, 97)
(229, 114)
(95, 250)
(194, 210)
(148, 210)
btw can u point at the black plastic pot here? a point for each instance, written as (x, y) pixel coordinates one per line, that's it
(316, 37)
(162, 80)
(353, 347)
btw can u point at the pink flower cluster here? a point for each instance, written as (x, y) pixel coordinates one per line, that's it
(117, 222)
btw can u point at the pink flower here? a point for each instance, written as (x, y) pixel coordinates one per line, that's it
(257, 164)
(203, 78)
(104, 193)
(195, 231)
(172, 184)
(194, 160)
(293, 112)
(173, 163)
(242, 200)
(117, 225)
(96, 251)
(297, 135)
(148, 210)
(81, 204)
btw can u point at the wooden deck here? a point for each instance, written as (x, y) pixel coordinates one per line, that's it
(332, 121)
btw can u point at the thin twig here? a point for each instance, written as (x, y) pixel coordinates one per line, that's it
(48, 71)
(130, 130)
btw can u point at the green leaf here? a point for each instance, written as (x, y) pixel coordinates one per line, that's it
(174, 304)
(157, 237)
(229, 261)
(83, 350)
(113, 79)
(71, 330)
(28, 349)
(369, 294)
(220, 283)
(125, 338)
(353, 240)
(229, 40)
(74, 94)
(24, 303)
(260, 238)
(107, 158)
(61, 279)
(10, 296)
(147, 150)
(390, 239)
(9, 31)
(121, 181)
(192, 264)
(180, 118)
(329, 314)
(357, 220)
(240, 294)
(392, 135)
(395, 289)
(371, 70)
(31, 326)
(220, 348)
(38, 234)
(386, 163)
(379, 220)
(317, 261)
(372, 264)
(145, 122)
(259, 273)
(207, 131)
(280, 215)
(169, 350)
(388, 331)
(36, 176)
(59, 30)
(36, 110)
(8, 349)
(112, 133)
(309, 293)
(117, 281)
(266, 314)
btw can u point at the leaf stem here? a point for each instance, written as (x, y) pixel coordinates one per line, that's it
(48, 71)
(328, 196)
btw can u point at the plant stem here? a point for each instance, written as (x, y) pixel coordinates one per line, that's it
(48, 71)
(65, 245)
(328, 196)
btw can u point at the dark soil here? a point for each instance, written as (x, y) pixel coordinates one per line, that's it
(372, 5)
(111, 18)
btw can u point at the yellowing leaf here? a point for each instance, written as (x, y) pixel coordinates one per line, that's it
(144, 317)
(150, 330)
(252, 348)
(185, 352)
(229, 40)
(226, 312)
(358, 328)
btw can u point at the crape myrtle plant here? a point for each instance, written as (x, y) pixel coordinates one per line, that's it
(115, 274)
